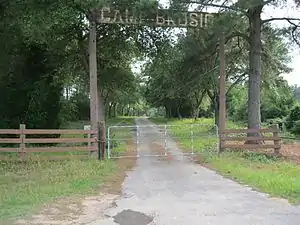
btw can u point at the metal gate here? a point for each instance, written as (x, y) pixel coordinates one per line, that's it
(161, 140)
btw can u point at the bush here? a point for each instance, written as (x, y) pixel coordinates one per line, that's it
(293, 117)
(274, 121)
(296, 128)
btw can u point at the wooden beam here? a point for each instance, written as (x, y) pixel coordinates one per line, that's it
(60, 149)
(252, 130)
(250, 146)
(58, 140)
(254, 138)
(154, 17)
(94, 108)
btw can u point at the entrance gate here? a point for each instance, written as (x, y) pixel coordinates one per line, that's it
(161, 140)
(160, 18)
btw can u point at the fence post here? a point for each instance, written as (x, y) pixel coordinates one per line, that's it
(22, 143)
(101, 140)
(108, 143)
(276, 141)
(88, 127)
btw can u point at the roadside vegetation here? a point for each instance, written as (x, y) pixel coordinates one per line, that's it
(44, 84)
(25, 187)
(273, 175)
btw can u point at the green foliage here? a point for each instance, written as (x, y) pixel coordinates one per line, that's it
(260, 157)
(277, 100)
(237, 103)
(44, 52)
(184, 73)
(293, 117)
(297, 93)
(30, 93)
(296, 128)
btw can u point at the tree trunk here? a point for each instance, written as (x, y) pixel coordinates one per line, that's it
(110, 105)
(122, 110)
(198, 104)
(128, 111)
(115, 110)
(215, 103)
(67, 93)
(254, 117)
(196, 113)
(178, 111)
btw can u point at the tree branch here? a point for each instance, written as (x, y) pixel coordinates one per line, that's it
(281, 18)
(241, 78)
(238, 34)
(220, 6)
(210, 95)
(268, 1)
(294, 26)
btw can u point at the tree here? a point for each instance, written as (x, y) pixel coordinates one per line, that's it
(252, 10)
(297, 92)
(187, 71)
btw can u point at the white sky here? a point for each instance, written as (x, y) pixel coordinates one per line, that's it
(287, 11)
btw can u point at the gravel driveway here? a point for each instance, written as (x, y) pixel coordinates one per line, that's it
(178, 192)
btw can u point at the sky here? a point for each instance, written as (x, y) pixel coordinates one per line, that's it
(288, 11)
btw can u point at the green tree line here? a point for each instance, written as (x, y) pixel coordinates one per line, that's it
(44, 71)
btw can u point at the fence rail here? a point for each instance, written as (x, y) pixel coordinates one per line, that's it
(260, 139)
(25, 145)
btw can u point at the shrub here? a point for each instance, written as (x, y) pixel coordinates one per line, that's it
(296, 128)
(293, 117)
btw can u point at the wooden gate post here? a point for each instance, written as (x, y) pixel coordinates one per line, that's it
(101, 140)
(22, 144)
(276, 141)
(93, 75)
(94, 104)
(222, 95)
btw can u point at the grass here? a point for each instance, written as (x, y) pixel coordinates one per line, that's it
(121, 141)
(24, 187)
(269, 174)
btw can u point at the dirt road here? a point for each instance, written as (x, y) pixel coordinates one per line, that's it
(172, 192)
(178, 192)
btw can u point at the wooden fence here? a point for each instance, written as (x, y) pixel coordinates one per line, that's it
(23, 144)
(262, 141)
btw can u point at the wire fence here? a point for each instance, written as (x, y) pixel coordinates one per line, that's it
(161, 140)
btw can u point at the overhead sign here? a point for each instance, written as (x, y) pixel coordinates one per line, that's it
(161, 18)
